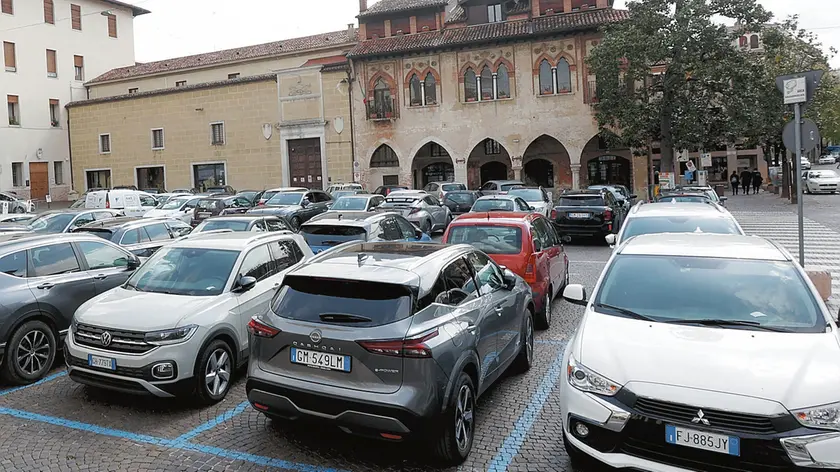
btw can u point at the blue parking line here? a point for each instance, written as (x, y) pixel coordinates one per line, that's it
(44, 380)
(513, 442)
(213, 423)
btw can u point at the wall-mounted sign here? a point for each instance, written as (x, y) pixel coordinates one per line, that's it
(606, 158)
(267, 129)
(338, 124)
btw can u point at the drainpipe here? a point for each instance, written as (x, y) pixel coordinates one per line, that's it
(350, 75)
(70, 153)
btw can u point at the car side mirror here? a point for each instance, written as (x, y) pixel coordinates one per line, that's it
(419, 233)
(531, 207)
(575, 293)
(509, 277)
(244, 284)
(304, 203)
(633, 197)
(537, 245)
(610, 238)
(132, 263)
(566, 238)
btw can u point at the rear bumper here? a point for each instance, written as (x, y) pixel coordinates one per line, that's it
(584, 230)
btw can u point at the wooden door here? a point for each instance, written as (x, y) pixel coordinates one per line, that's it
(305, 163)
(39, 180)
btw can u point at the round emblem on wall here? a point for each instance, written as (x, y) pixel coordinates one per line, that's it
(507, 54)
(408, 66)
(570, 47)
(553, 48)
(537, 50)
(434, 63)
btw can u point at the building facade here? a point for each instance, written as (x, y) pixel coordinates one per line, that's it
(477, 90)
(257, 117)
(50, 48)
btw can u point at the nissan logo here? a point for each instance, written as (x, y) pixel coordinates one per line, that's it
(315, 336)
(105, 338)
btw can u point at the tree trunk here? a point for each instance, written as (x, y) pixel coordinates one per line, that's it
(666, 145)
(785, 175)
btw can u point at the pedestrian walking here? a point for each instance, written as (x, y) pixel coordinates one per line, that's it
(746, 181)
(735, 181)
(757, 180)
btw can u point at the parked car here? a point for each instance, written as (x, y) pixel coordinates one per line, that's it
(619, 193)
(359, 202)
(536, 197)
(675, 217)
(131, 202)
(806, 164)
(251, 195)
(676, 196)
(123, 187)
(827, 159)
(684, 357)
(162, 198)
(140, 236)
(219, 205)
(343, 193)
(61, 221)
(460, 201)
(707, 190)
(184, 190)
(18, 218)
(333, 228)
(181, 208)
(178, 325)
(13, 203)
(821, 181)
(343, 187)
(220, 190)
(266, 195)
(525, 243)
(588, 213)
(44, 279)
(297, 207)
(385, 190)
(420, 208)
(153, 191)
(246, 222)
(440, 189)
(391, 340)
(500, 203)
(494, 187)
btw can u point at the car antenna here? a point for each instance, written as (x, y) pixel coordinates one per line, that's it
(361, 258)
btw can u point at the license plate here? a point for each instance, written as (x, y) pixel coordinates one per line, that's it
(578, 215)
(102, 362)
(204, 214)
(721, 443)
(320, 360)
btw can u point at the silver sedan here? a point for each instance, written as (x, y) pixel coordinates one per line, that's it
(420, 208)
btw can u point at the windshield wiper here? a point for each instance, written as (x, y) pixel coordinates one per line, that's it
(344, 318)
(625, 311)
(718, 322)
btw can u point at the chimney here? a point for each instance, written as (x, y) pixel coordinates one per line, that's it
(351, 31)
(362, 5)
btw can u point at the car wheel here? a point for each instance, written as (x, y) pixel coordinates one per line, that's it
(544, 318)
(525, 358)
(213, 372)
(20, 210)
(30, 353)
(295, 222)
(426, 227)
(455, 437)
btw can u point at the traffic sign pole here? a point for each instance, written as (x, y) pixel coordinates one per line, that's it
(797, 110)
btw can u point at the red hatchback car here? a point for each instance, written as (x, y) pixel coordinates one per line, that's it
(525, 243)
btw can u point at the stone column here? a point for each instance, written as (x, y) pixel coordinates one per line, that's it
(575, 176)
(460, 167)
(516, 165)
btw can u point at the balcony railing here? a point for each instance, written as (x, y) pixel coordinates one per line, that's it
(383, 110)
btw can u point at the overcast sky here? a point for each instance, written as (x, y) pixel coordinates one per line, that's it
(183, 27)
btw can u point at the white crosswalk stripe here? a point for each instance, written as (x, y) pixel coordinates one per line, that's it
(822, 244)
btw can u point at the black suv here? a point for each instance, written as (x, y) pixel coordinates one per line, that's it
(142, 236)
(44, 279)
(588, 213)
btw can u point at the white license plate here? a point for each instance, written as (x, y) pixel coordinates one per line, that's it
(702, 440)
(578, 215)
(320, 360)
(102, 362)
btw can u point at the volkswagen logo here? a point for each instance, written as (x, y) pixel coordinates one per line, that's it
(315, 336)
(105, 338)
(699, 419)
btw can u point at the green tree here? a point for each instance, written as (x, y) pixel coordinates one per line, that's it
(695, 97)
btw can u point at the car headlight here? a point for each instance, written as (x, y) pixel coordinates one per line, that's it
(588, 381)
(824, 417)
(170, 336)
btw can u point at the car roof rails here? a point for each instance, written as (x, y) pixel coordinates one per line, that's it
(266, 234)
(204, 233)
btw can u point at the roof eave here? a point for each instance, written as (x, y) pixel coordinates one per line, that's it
(135, 10)
(368, 14)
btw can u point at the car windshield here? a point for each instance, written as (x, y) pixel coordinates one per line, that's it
(223, 224)
(528, 194)
(588, 200)
(80, 203)
(678, 224)
(285, 198)
(173, 203)
(824, 174)
(491, 239)
(452, 187)
(461, 197)
(51, 223)
(350, 203)
(683, 199)
(209, 204)
(321, 300)
(493, 205)
(184, 271)
(342, 193)
(672, 288)
(328, 235)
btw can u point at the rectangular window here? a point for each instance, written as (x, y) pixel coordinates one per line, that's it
(7, 7)
(14, 109)
(157, 138)
(76, 17)
(58, 171)
(233, 76)
(492, 147)
(104, 144)
(79, 67)
(55, 113)
(52, 69)
(217, 132)
(494, 13)
(17, 174)
(180, 83)
(133, 90)
(49, 12)
(112, 26)
(98, 179)
(9, 56)
(390, 180)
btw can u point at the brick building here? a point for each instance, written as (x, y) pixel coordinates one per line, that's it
(475, 90)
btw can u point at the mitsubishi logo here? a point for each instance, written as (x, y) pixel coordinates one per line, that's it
(105, 338)
(315, 336)
(699, 419)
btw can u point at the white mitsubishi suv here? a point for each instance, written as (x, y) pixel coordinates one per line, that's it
(702, 352)
(179, 324)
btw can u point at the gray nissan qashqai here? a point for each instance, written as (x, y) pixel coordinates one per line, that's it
(392, 341)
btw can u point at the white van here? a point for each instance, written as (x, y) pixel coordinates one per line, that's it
(132, 202)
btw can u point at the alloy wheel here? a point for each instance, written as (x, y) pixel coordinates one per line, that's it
(548, 307)
(529, 339)
(217, 372)
(33, 352)
(464, 417)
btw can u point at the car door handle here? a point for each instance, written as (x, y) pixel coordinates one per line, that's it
(499, 310)
(472, 328)
(46, 285)
(99, 276)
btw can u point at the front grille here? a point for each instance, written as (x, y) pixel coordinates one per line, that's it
(130, 342)
(133, 372)
(684, 414)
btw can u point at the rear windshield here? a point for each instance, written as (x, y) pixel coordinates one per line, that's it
(684, 199)
(493, 205)
(678, 224)
(453, 187)
(506, 187)
(350, 203)
(207, 204)
(101, 232)
(528, 194)
(233, 225)
(285, 198)
(342, 302)
(326, 235)
(490, 239)
(461, 197)
(589, 200)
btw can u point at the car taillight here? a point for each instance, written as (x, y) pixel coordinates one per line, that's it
(607, 215)
(411, 347)
(414, 210)
(553, 214)
(261, 330)
(531, 270)
(107, 203)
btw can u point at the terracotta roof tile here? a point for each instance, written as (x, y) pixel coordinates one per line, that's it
(393, 6)
(452, 37)
(229, 55)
